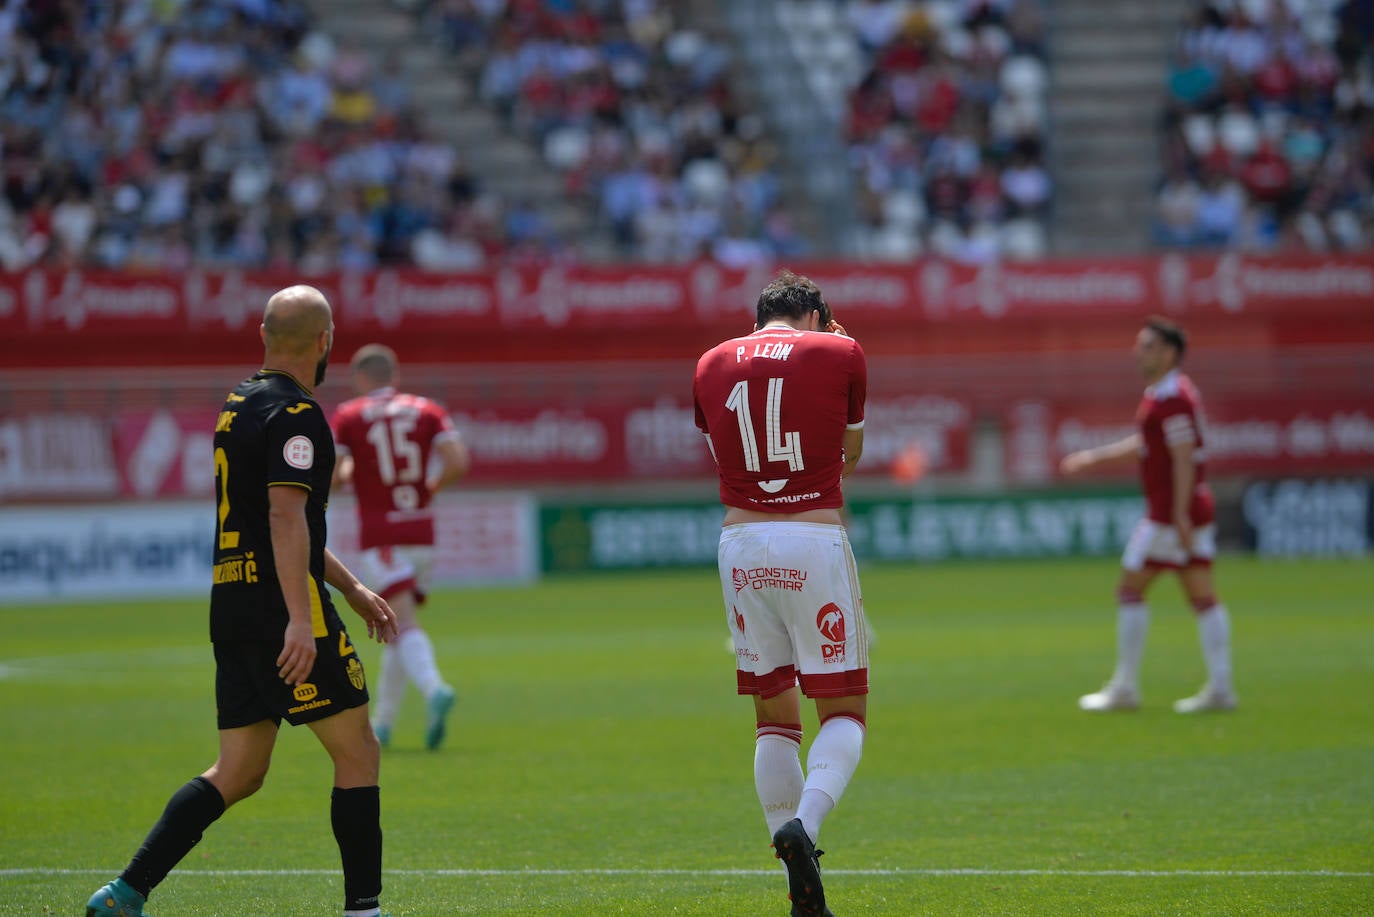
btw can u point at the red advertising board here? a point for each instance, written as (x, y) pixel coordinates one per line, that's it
(56, 318)
(149, 454)
(1246, 436)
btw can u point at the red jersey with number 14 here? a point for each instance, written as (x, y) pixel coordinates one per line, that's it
(774, 405)
(1171, 413)
(391, 436)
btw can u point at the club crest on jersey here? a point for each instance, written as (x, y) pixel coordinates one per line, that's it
(299, 452)
(830, 623)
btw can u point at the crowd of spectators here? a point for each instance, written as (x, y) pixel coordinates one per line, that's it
(947, 127)
(137, 134)
(638, 115)
(1269, 128)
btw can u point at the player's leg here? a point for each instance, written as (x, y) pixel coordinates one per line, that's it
(416, 652)
(406, 582)
(377, 568)
(355, 805)
(833, 757)
(764, 670)
(247, 733)
(244, 755)
(1122, 691)
(829, 634)
(1214, 631)
(390, 690)
(778, 776)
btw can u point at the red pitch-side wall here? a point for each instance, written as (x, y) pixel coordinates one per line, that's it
(55, 319)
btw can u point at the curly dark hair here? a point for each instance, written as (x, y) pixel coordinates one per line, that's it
(791, 296)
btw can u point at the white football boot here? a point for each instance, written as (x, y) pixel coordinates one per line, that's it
(1113, 696)
(1208, 699)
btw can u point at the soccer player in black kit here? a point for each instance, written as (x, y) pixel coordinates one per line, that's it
(281, 650)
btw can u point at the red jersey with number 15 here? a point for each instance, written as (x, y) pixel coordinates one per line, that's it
(774, 405)
(391, 436)
(1171, 413)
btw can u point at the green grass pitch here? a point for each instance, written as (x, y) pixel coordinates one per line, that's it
(600, 762)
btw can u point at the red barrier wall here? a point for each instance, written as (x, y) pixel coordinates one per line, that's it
(76, 318)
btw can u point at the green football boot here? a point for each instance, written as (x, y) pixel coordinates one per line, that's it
(438, 706)
(116, 900)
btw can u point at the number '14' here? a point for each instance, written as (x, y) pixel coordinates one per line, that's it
(782, 447)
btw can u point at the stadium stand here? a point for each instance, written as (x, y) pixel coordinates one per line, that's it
(225, 133)
(944, 110)
(638, 115)
(1269, 128)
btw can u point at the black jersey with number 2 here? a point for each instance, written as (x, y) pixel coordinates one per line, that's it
(270, 433)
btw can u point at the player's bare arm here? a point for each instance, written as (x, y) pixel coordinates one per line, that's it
(371, 607)
(853, 442)
(1127, 447)
(291, 552)
(1185, 476)
(454, 463)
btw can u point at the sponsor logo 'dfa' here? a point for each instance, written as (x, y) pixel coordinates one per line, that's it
(830, 622)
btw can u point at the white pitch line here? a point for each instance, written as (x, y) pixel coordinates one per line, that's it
(460, 873)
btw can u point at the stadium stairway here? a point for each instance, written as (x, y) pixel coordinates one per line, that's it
(446, 101)
(771, 42)
(1108, 63)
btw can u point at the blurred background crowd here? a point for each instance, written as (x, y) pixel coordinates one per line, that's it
(153, 134)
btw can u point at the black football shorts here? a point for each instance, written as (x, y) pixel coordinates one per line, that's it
(248, 689)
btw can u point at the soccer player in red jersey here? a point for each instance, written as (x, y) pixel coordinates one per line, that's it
(783, 412)
(1177, 533)
(398, 450)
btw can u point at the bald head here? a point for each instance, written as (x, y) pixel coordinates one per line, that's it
(294, 319)
(297, 332)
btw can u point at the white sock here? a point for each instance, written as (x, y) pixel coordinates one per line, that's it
(391, 687)
(830, 763)
(418, 654)
(1132, 621)
(370, 912)
(778, 777)
(1214, 632)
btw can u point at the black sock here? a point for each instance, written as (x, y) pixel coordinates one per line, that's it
(189, 812)
(356, 814)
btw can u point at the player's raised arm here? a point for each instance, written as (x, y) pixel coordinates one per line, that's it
(1127, 447)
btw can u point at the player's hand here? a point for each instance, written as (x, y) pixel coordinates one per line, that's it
(1075, 462)
(836, 328)
(1184, 527)
(297, 657)
(374, 610)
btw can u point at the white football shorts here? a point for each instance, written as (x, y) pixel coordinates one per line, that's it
(793, 605)
(1156, 544)
(390, 571)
